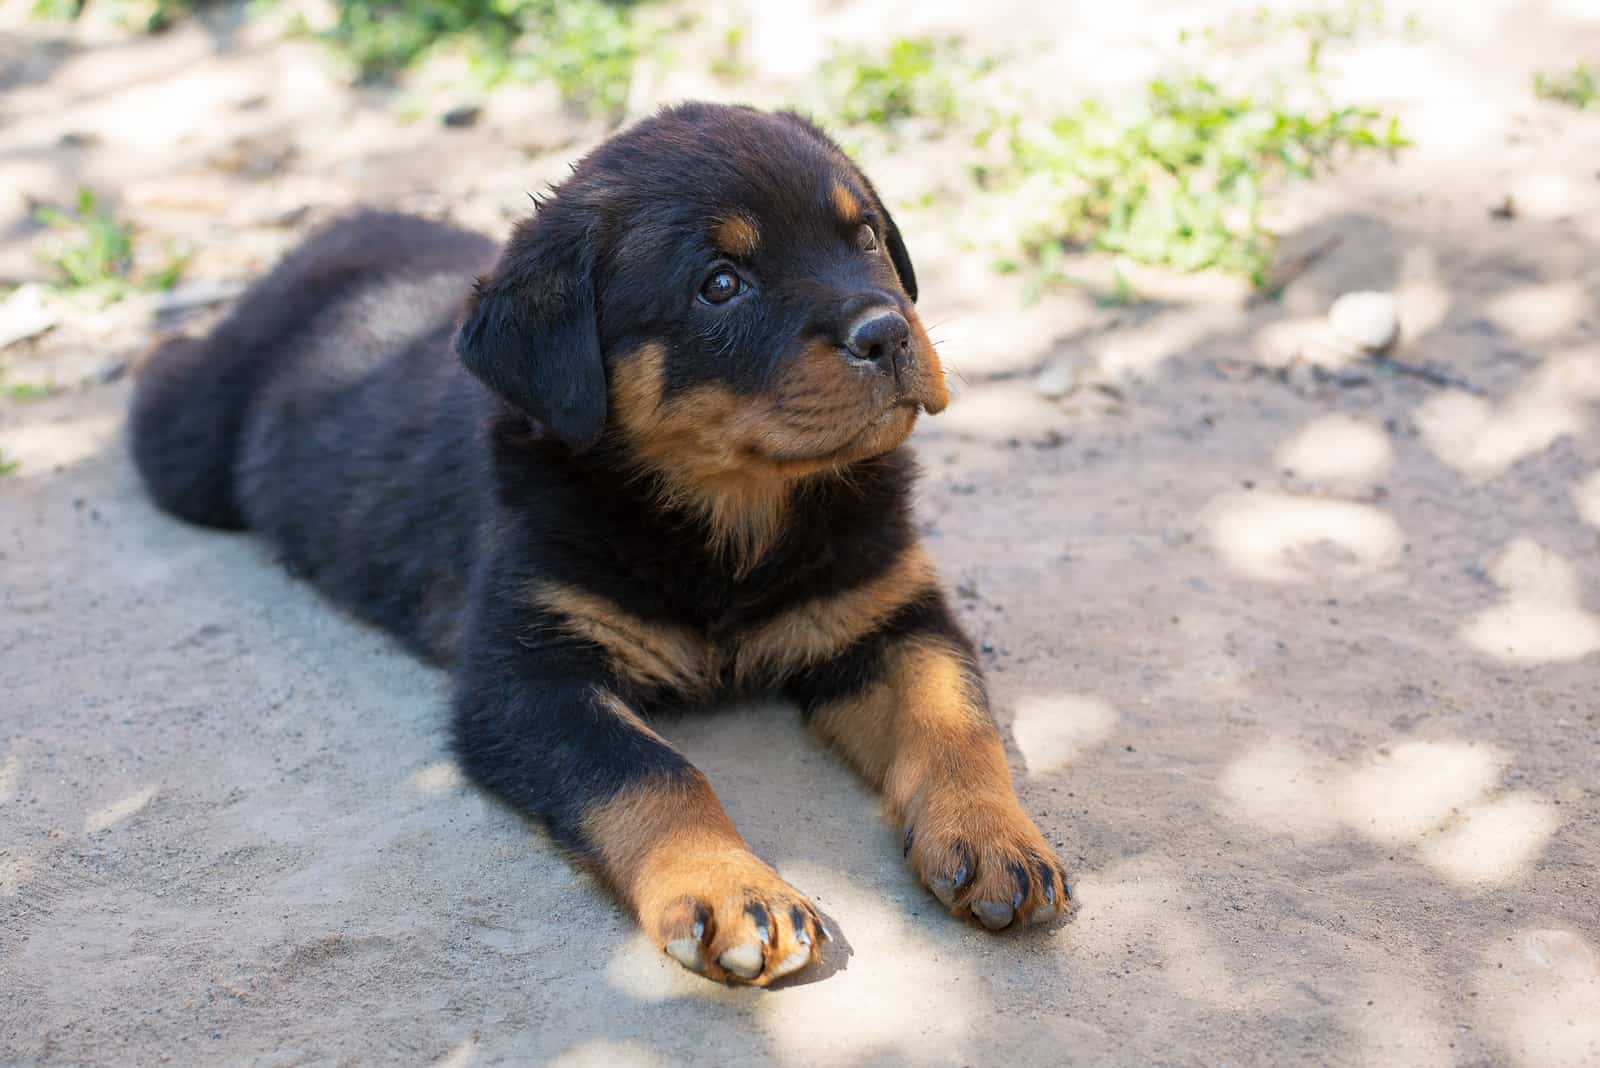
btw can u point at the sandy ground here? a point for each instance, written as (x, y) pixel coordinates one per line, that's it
(1298, 667)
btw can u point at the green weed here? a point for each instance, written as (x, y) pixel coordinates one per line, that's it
(93, 252)
(1178, 178)
(57, 10)
(149, 16)
(916, 77)
(25, 391)
(588, 48)
(1578, 87)
(6, 466)
(729, 63)
(101, 257)
(1315, 27)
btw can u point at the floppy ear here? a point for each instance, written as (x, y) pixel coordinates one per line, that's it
(898, 255)
(531, 333)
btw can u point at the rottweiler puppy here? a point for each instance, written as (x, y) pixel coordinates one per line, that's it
(652, 457)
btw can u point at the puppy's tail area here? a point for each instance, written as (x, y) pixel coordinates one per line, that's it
(189, 405)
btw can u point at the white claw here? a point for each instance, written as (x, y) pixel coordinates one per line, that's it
(743, 960)
(686, 951)
(793, 962)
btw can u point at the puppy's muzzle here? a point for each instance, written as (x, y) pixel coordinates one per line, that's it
(890, 344)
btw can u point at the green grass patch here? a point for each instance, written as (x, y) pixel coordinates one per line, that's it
(914, 78)
(25, 391)
(1578, 87)
(1175, 177)
(729, 63)
(6, 466)
(147, 16)
(92, 252)
(587, 48)
(1313, 27)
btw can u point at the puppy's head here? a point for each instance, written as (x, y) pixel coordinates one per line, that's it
(720, 295)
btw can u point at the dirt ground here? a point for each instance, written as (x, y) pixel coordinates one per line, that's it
(1297, 663)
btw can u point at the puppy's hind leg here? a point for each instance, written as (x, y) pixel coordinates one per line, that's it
(188, 410)
(193, 397)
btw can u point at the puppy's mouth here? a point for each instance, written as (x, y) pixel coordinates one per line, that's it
(831, 410)
(880, 433)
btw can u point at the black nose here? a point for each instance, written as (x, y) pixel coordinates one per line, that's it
(880, 338)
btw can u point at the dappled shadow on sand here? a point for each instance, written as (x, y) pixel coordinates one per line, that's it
(1441, 799)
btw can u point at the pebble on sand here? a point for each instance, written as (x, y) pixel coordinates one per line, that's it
(1054, 382)
(26, 313)
(1366, 319)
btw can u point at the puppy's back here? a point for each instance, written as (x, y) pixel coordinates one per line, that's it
(194, 396)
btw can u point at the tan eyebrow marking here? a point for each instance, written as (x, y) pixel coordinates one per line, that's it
(845, 204)
(737, 235)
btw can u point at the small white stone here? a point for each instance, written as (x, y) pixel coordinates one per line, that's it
(1561, 951)
(1366, 319)
(1054, 382)
(26, 313)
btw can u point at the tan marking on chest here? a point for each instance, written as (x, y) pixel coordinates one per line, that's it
(814, 630)
(697, 445)
(736, 460)
(686, 660)
(645, 652)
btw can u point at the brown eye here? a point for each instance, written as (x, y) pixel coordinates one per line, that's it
(721, 287)
(866, 240)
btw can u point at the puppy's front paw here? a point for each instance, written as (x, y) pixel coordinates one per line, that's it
(731, 918)
(984, 858)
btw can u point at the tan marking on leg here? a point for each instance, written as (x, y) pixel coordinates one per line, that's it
(648, 831)
(845, 204)
(824, 626)
(737, 235)
(923, 736)
(675, 858)
(923, 719)
(646, 652)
